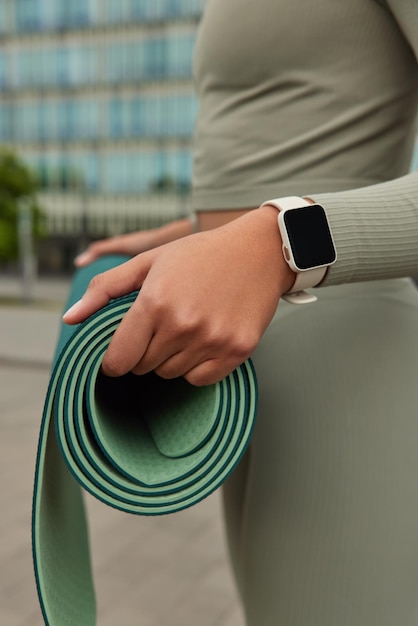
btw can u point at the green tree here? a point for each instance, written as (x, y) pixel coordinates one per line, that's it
(167, 184)
(17, 185)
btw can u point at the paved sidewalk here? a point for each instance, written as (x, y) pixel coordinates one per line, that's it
(165, 571)
(45, 290)
(28, 330)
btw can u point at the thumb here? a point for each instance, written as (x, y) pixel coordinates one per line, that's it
(113, 283)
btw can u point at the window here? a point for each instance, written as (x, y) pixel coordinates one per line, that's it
(66, 171)
(146, 116)
(120, 11)
(51, 122)
(146, 172)
(132, 61)
(36, 15)
(119, 118)
(83, 65)
(86, 119)
(82, 170)
(180, 56)
(26, 126)
(28, 15)
(68, 120)
(48, 14)
(4, 66)
(135, 61)
(75, 13)
(186, 8)
(178, 167)
(152, 116)
(155, 52)
(57, 63)
(5, 21)
(149, 11)
(129, 173)
(116, 62)
(116, 11)
(39, 68)
(177, 115)
(168, 116)
(26, 68)
(115, 173)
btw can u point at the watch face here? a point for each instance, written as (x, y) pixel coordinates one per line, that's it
(309, 236)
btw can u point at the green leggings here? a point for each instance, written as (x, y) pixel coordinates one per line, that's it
(322, 513)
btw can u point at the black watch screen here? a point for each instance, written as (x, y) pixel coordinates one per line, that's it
(309, 236)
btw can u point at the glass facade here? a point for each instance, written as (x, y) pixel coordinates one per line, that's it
(50, 66)
(25, 16)
(66, 66)
(112, 118)
(98, 94)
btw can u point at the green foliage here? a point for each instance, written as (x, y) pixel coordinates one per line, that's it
(17, 186)
(166, 184)
(61, 178)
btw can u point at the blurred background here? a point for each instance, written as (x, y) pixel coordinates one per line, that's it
(97, 100)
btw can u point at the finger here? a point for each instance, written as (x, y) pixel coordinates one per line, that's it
(142, 343)
(129, 342)
(210, 372)
(173, 344)
(113, 283)
(169, 361)
(156, 356)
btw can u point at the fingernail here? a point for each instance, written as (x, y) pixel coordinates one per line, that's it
(72, 309)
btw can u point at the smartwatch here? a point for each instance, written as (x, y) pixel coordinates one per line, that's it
(308, 246)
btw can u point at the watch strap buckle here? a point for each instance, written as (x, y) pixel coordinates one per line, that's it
(299, 297)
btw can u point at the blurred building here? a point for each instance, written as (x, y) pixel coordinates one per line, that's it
(97, 96)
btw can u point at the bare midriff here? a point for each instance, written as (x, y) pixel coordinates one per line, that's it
(206, 220)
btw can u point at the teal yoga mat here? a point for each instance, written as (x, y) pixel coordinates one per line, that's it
(140, 444)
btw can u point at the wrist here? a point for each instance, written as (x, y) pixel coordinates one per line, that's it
(308, 246)
(286, 277)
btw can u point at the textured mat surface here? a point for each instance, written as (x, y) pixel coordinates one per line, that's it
(138, 443)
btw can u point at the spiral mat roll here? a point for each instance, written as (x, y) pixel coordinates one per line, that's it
(140, 444)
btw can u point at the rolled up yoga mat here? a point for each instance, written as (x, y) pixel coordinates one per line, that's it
(140, 444)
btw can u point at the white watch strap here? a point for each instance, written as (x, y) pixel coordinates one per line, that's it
(289, 202)
(308, 278)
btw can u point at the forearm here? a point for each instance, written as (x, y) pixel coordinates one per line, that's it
(375, 230)
(172, 231)
(134, 243)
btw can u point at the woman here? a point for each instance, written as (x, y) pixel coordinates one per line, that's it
(316, 100)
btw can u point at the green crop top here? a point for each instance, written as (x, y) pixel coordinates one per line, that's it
(314, 98)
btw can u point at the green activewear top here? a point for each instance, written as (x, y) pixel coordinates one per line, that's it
(314, 98)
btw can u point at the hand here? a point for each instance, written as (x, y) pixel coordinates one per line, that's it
(132, 244)
(205, 301)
